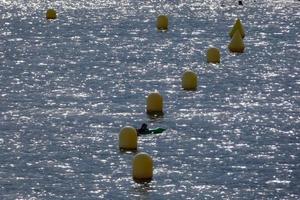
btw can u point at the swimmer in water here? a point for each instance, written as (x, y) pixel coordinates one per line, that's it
(143, 129)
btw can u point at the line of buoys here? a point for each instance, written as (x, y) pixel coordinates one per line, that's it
(162, 22)
(213, 55)
(237, 44)
(51, 14)
(128, 139)
(189, 80)
(142, 168)
(142, 163)
(155, 104)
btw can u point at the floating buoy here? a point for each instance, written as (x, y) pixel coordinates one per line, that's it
(213, 55)
(237, 26)
(51, 14)
(237, 44)
(128, 139)
(142, 168)
(189, 80)
(155, 103)
(162, 22)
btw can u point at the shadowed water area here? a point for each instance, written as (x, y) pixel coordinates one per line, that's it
(67, 87)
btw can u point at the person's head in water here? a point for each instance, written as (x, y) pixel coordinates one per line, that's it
(144, 126)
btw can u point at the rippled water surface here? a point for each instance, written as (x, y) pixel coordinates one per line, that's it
(69, 85)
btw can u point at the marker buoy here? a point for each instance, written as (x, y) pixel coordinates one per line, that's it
(162, 22)
(237, 26)
(51, 14)
(237, 44)
(213, 55)
(189, 80)
(128, 138)
(155, 103)
(142, 168)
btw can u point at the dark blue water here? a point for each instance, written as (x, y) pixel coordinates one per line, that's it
(68, 86)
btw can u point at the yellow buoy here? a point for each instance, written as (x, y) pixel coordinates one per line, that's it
(213, 55)
(237, 26)
(142, 168)
(189, 80)
(51, 14)
(162, 22)
(128, 138)
(237, 44)
(155, 103)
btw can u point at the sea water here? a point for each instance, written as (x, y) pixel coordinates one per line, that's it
(67, 87)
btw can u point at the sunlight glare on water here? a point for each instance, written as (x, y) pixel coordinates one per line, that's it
(69, 85)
